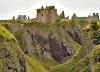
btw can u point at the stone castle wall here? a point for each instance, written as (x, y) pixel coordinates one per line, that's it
(13, 28)
(47, 15)
(94, 17)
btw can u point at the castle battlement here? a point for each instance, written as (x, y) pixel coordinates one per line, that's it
(47, 14)
(94, 17)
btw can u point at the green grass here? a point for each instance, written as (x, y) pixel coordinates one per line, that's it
(29, 67)
(11, 48)
(96, 67)
(88, 26)
(34, 65)
(83, 64)
(1, 63)
(48, 63)
(6, 34)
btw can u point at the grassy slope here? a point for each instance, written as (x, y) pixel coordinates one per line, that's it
(88, 26)
(48, 63)
(83, 64)
(96, 54)
(34, 65)
(10, 44)
(6, 34)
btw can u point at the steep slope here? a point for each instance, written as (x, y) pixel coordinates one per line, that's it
(11, 55)
(68, 65)
(13, 59)
(91, 62)
(87, 59)
(64, 42)
(46, 40)
(34, 65)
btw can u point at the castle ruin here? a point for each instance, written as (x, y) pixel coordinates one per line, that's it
(47, 15)
(22, 17)
(94, 17)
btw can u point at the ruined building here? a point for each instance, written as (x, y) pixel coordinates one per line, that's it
(22, 17)
(94, 17)
(44, 15)
(62, 15)
(47, 15)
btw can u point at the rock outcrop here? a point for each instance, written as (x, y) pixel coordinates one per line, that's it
(11, 55)
(61, 42)
(34, 40)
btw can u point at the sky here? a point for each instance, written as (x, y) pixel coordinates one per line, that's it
(10, 8)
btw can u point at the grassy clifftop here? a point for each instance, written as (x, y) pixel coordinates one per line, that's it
(5, 33)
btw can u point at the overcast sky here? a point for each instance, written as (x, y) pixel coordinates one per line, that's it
(9, 8)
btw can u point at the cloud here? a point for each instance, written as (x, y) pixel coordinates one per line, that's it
(8, 8)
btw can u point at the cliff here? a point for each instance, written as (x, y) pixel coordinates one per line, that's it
(44, 40)
(59, 47)
(11, 55)
(13, 59)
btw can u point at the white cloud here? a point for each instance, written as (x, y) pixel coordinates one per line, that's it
(8, 8)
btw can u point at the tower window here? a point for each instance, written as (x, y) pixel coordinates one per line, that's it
(42, 14)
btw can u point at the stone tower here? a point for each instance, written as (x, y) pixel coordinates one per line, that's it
(74, 16)
(47, 15)
(96, 16)
(13, 19)
(62, 15)
(22, 17)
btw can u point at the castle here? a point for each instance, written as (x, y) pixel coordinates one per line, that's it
(44, 15)
(94, 17)
(23, 17)
(47, 15)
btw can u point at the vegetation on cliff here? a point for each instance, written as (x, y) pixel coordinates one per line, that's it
(12, 58)
(11, 55)
(57, 35)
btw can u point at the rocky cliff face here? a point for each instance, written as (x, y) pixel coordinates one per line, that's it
(35, 40)
(63, 43)
(11, 55)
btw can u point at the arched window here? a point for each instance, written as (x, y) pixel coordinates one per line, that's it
(42, 15)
